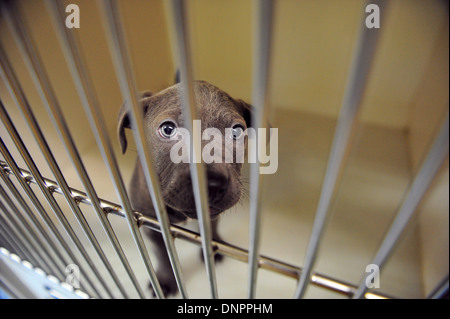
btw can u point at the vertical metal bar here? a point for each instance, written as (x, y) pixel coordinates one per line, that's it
(122, 63)
(441, 290)
(198, 175)
(32, 239)
(92, 109)
(356, 83)
(48, 196)
(17, 93)
(261, 68)
(418, 188)
(5, 241)
(22, 239)
(50, 247)
(11, 239)
(41, 210)
(48, 97)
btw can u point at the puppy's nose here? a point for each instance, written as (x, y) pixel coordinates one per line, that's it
(217, 186)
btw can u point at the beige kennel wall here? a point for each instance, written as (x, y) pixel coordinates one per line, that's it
(313, 41)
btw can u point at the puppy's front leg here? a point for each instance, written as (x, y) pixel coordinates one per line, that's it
(215, 233)
(164, 270)
(215, 236)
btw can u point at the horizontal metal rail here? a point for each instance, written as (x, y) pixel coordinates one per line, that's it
(224, 248)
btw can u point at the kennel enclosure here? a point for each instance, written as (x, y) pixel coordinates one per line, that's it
(54, 217)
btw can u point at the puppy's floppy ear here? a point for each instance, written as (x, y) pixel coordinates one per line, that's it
(245, 110)
(124, 120)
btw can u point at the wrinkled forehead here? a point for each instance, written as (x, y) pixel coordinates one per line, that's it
(216, 108)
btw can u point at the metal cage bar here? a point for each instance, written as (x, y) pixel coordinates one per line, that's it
(48, 195)
(198, 174)
(26, 235)
(441, 290)
(342, 141)
(47, 95)
(232, 251)
(32, 240)
(261, 68)
(421, 183)
(89, 101)
(48, 245)
(23, 239)
(40, 209)
(9, 238)
(17, 93)
(128, 86)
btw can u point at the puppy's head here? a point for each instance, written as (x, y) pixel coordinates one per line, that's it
(164, 125)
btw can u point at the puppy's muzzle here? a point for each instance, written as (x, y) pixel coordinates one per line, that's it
(217, 186)
(220, 194)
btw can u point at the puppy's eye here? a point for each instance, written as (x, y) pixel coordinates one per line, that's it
(167, 129)
(237, 131)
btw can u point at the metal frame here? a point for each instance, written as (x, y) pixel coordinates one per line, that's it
(232, 251)
(343, 136)
(42, 246)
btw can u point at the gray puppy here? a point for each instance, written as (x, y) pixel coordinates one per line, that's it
(163, 117)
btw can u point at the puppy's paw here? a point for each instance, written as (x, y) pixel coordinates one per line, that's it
(169, 287)
(217, 257)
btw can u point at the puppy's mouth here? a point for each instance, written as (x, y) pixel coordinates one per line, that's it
(223, 193)
(214, 212)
